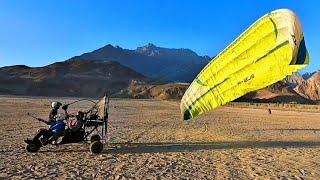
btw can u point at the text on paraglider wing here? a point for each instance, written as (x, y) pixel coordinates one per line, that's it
(246, 79)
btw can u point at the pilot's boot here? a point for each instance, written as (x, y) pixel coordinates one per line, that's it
(44, 141)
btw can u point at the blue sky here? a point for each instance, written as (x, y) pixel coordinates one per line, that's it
(38, 33)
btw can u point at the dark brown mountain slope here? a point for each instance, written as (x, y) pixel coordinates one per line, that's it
(74, 77)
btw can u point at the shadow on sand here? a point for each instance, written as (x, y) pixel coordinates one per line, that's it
(161, 147)
(169, 147)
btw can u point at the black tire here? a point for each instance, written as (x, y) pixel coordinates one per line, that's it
(32, 148)
(95, 137)
(96, 147)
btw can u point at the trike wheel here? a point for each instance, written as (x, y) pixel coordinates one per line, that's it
(32, 148)
(96, 147)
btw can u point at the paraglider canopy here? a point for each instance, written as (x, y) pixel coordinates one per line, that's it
(268, 51)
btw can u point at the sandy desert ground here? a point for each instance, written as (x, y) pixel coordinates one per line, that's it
(148, 140)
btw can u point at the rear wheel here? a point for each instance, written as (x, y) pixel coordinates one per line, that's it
(32, 148)
(96, 147)
(95, 137)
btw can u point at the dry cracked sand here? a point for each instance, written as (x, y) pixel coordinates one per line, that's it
(148, 140)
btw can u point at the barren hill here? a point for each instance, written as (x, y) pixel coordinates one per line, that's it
(170, 91)
(310, 88)
(279, 92)
(74, 77)
(294, 80)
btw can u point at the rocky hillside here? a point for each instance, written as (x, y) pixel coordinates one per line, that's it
(310, 88)
(294, 80)
(170, 91)
(75, 77)
(279, 92)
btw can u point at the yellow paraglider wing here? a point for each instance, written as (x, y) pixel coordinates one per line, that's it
(269, 50)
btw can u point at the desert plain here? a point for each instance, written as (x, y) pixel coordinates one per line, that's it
(147, 139)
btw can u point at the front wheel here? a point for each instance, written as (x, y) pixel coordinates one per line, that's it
(32, 148)
(96, 147)
(95, 137)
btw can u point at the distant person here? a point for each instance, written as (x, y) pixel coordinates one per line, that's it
(269, 110)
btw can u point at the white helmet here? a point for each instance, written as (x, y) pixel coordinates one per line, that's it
(61, 117)
(55, 104)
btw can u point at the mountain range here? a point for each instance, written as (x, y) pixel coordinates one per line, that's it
(178, 65)
(139, 73)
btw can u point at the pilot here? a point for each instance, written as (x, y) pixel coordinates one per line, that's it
(56, 127)
(76, 124)
(54, 111)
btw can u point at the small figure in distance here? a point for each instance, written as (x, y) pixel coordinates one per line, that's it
(269, 111)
